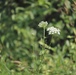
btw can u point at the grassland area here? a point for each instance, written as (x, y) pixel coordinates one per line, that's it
(37, 37)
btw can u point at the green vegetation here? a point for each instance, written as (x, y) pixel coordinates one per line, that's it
(26, 49)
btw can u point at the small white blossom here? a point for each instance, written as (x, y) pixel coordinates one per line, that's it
(43, 24)
(53, 30)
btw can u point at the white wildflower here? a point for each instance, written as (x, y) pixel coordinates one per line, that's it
(53, 30)
(43, 24)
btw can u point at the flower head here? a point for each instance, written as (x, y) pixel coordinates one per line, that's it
(53, 30)
(43, 24)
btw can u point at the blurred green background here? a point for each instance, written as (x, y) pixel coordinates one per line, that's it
(20, 36)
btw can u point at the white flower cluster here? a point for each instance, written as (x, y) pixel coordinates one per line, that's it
(43, 24)
(53, 30)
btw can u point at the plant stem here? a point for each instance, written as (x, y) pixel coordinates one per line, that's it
(44, 37)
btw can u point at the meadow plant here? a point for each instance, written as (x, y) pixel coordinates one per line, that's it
(51, 30)
(44, 53)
